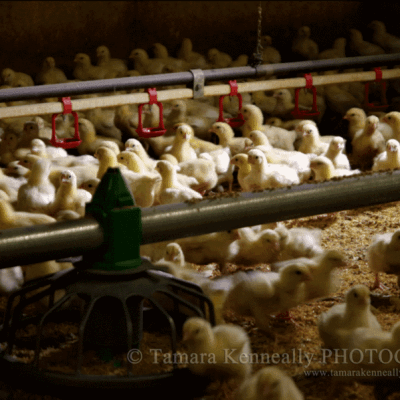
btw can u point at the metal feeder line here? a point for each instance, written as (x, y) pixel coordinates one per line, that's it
(188, 77)
(38, 243)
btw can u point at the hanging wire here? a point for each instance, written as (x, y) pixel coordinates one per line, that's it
(257, 56)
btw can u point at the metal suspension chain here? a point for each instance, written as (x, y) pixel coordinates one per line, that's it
(257, 56)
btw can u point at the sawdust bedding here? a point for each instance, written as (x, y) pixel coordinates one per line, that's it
(349, 231)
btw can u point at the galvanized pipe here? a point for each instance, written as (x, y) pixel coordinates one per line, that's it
(186, 77)
(168, 222)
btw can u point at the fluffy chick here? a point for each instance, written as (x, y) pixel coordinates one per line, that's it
(227, 138)
(263, 247)
(181, 148)
(271, 382)
(362, 47)
(38, 192)
(218, 59)
(103, 121)
(299, 242)
(262, 294)
(68, 196)
(50, 74)
(356, 117)
(337, 51)
(84, 70)
(9, 218)
(335, 153)
(91, 141)
(383, 255)
(16, 79)
(278, 137)
(322, 268)
(324, 169)
(146, 65)
(367, 144)
(336, 325)
(195, 60)
(241, 160)
(265, 176)
(137, 147)
(270, 55)
(390, 43)
(171, 190)
(389, 159)
(311, 142)
(115, 64)
(304, 46)
(200, 337)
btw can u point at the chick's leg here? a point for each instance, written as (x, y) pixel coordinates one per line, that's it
(378, 284)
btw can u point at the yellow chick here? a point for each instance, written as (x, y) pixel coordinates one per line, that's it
(242, 162)
(203, 170)
(278, 137)
(107, 159)
(356, 117)
(90, 185)
(171, 190)
(284, 104)
(262, 294)
(337, 51)
(103, 121)
(390, 43)
(174, 64)
(322, 267)
(146, 65)
(304, 46)
(335, 153)
(115, 64)
(266, 176)
(38, 192)
(195, 60)
(266, 103)
(9, 218)
(337, 324)
(324, 169)
(362, 47)
(262, 247)
(393, 120)
(311, 142)
(8, 148)
(132, 161)
(218, 59)
(39, 148)
(200, 337)
(137, 147)
(127, 119)
(84, 70)
(68, 196)
(294, 159)
(199, 123)
(91, 141)
(16, 79)
(241, 61)
(270, 55)
(382, 255)
(227, 138)
(389, 159)
(181, 148)
(50, 74)
(367, 144)
(271, 382)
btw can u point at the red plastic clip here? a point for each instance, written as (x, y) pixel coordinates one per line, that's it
(376, 106)
(65, 143)
(234, 122)
(297, 113)
(151, 132)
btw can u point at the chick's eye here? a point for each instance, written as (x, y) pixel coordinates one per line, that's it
(298, 272)
(355, 295)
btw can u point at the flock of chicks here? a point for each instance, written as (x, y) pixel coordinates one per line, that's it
(40, 184)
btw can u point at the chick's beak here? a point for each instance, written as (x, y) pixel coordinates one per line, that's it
(307, 277)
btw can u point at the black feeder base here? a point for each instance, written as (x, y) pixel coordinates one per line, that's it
(111, 310)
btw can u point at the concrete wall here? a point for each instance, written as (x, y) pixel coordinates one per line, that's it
(32, 30)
